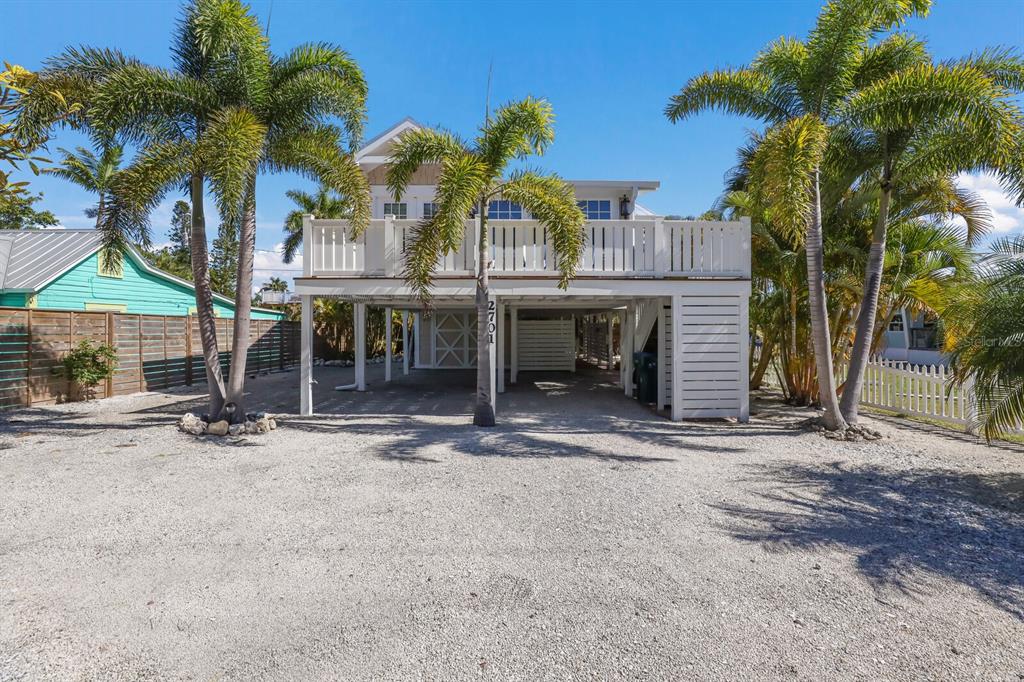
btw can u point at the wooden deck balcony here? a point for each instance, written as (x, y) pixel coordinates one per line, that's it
(616, 249)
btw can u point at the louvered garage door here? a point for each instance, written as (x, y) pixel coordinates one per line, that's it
(546, 345)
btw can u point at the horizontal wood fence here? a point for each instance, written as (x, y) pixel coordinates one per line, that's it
(154, 352)
(924, 391)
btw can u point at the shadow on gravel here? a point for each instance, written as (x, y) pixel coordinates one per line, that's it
(902, 526)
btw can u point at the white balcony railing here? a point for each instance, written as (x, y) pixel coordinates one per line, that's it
(626, 248)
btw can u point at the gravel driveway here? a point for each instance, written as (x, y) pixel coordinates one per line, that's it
(393, 540)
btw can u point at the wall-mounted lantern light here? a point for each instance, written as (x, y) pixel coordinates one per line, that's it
(625, 207)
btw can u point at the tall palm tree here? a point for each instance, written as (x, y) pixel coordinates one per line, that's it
(275, 284)
(472, 175)
(326, 203)
(926, 120)
(92, 172)
(799, 88)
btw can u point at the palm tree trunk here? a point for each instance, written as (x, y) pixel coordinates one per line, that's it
(204, 298)
(765, 361)
(243, 305)
(832, 418)
(862, 341)
(483, 415)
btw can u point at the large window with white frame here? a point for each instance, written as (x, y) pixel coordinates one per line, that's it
(429, 209)
(596, 209)
(398, 209)
(504, 210)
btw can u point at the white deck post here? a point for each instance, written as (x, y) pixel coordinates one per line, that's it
(387, 344)
(405, 342)
(306, 358)
(359, 312)
(626, 344)
(418, 337)
(744, 337)
(611, 344)
(500, 331)
(662, 356)
(514, 330)
(677, 357)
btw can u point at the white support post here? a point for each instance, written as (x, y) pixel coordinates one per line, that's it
(307, 245)
(626, 344)
(662, 244)
(500, 331)
(662, 356)
(405, 342)
(389, 254)
(514, 330)
(387, 344)
(416, 321)
(611, 344)
(744, 337)
(677, 357)
(359, 310)
(306, 358)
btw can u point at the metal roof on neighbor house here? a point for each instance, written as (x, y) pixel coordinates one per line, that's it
(30, 259)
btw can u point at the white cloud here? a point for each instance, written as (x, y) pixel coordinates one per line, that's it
(1006, 217)
(269, 263)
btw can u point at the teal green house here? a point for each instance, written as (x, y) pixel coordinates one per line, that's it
(62, 270)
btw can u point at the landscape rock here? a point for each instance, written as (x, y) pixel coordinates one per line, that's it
(219, 428)
(238, 429)
(192, 424)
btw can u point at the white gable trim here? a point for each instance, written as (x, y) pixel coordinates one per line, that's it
(369, 155)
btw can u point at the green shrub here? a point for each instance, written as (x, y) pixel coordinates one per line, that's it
(86, 365)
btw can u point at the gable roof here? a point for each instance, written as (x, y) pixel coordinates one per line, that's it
(375, 151)
(32, 259)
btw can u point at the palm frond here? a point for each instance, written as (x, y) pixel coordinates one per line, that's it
(417, 148)
(515, 131)
(231, 148)
(745, 92)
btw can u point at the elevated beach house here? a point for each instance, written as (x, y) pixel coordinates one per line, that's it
(677, 288)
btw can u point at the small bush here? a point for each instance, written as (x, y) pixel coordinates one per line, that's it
(86, 365)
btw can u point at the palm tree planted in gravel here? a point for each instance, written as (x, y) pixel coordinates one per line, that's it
(228, 111)
(93, 173)
(471, 176)
(799, 89)
(325, 203)
(926, 121)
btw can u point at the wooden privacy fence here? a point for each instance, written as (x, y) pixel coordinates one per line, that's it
(924, 391)
(154, 351)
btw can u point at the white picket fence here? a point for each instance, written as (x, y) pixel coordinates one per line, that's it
(924, 391)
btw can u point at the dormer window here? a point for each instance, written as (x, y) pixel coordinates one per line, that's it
(504, 210)
(596, 209)
(399, 210)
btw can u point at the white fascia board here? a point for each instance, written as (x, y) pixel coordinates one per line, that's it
(463, 288)
(366, 153)
(626, 185)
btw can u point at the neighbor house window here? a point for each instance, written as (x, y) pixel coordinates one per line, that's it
(596, 209)
(103, 271)
(504, 210)
(896, 323)
(399, 210)
(429, 209)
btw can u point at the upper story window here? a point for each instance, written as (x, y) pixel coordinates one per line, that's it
(504, 210)
(896, 323)
(399, 210)
(596, 209)
(429, 209)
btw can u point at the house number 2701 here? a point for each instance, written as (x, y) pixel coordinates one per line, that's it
(491, 315)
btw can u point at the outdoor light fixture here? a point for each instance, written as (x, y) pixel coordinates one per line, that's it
(625, 208)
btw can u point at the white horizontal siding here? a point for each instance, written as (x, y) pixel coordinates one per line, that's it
(711, 342)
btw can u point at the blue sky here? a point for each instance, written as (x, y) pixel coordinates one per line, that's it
(607, 68)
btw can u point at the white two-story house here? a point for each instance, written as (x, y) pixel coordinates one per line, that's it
(679, 289)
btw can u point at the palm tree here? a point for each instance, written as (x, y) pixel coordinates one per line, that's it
(324, 204)
(227, 111)
(988, 327)
(472, 175)
(952, 118)
(799, 89)
(93, 173)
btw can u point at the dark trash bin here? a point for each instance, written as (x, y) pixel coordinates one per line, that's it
(645, 376)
